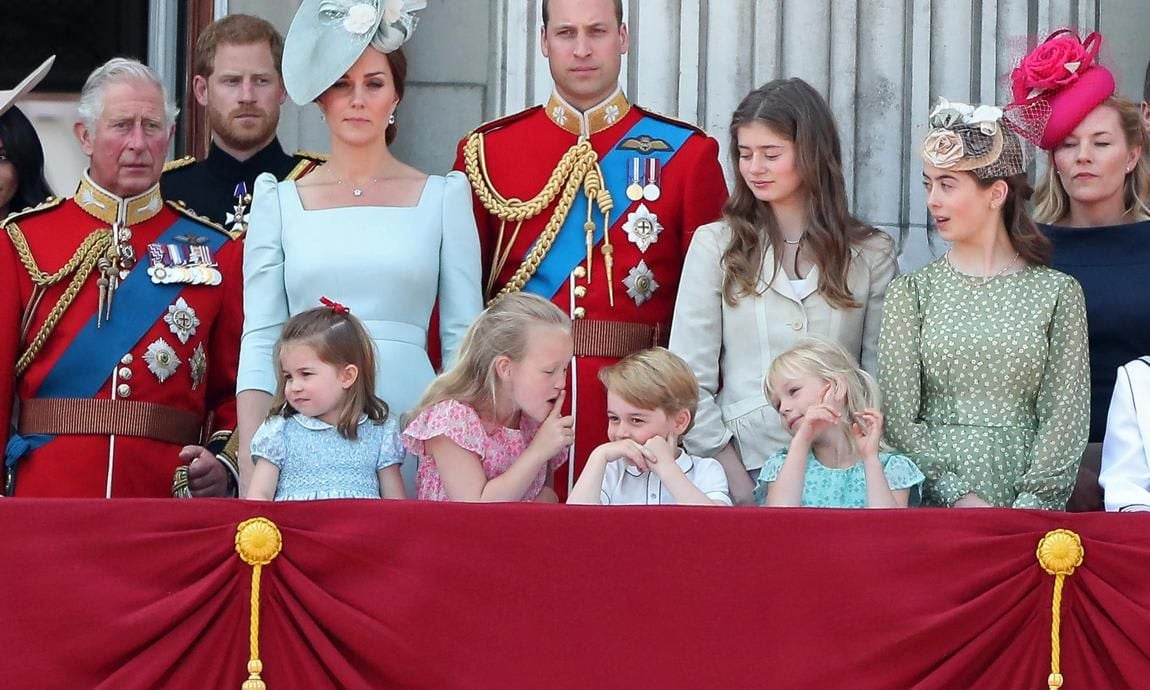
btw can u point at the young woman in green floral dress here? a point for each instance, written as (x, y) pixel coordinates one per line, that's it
(983, 356)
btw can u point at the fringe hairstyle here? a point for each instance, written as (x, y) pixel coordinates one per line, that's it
(828, 362)
(339, 339)
(1053, 203)
(791, 108)
(654, 379)
(502, 330)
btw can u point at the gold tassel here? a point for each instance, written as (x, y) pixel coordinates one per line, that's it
(258, 542)
(1059, 553)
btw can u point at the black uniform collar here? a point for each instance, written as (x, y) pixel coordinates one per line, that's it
(222, 164)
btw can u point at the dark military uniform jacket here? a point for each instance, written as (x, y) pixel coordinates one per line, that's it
(219, 187)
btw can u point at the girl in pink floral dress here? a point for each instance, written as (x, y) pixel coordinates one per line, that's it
(491, 428)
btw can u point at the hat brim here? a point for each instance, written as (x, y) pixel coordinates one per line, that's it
(8, 98)
(1070, 106)
(317, 52)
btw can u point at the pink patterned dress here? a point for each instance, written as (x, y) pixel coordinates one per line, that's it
(497, 448)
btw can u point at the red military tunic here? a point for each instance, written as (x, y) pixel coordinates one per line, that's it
(519, 155)
(175, 369)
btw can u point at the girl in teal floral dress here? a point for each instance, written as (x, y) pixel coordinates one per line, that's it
(830, 407)
(983, 357)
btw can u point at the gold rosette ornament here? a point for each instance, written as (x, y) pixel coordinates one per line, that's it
(1059, 553)
(258, 542)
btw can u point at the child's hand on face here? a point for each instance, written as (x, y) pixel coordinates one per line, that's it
(663, 453)
(629, 452)
(867, 432)
(556, 432)
(819, 417)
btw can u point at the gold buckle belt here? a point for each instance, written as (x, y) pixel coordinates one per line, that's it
(613, 339)
(80, 416)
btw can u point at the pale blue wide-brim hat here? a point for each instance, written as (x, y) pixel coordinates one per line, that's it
(327, 37)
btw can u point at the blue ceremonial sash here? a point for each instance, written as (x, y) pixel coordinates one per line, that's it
(570, 247)
(137, 305)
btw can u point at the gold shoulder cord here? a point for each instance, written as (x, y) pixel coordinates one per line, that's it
(79, 266)
(579, 167)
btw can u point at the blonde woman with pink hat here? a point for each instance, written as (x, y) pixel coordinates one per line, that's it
(1093, 202)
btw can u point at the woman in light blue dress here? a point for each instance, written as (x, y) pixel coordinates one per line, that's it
(365, 229)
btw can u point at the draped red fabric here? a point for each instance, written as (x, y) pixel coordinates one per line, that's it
(130, 594)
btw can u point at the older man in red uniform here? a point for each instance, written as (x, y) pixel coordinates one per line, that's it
(591, 201)
(117, 343)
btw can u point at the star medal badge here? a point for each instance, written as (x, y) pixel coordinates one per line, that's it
(182, 320)
(643, 228)
(641, 283)
(161, 359)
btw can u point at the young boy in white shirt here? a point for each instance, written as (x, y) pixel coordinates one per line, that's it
(651, 400)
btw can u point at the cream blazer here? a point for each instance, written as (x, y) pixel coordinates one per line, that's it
(1125, 476)
(729, 348)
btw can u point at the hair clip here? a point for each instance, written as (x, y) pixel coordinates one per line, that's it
(334, 306)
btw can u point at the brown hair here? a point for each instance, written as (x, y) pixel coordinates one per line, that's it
(618, 12)
(398, 62)
(502, 330)
(654, 379)
(339, 339)
(1053, 203)
(1146, 85)
(791, 108)
(1032, 246)
(236, 30)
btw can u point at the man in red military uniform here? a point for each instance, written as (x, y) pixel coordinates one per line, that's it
(117, 342)
(591, 201)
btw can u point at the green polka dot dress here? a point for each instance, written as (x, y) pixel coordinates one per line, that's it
(986, 384)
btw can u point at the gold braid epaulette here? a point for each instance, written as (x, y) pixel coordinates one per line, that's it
(568, 176)
(79, 266)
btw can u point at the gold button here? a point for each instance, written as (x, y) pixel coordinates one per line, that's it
(579, 272)
(579, 312)
(123, 390)
(125, 373)
(126, 359)
(580, 291)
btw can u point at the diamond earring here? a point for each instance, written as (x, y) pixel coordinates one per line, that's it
(391, 119)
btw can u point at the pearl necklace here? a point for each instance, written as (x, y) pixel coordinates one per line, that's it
(979, 281)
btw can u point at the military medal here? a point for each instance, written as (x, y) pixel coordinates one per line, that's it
(182, 320)
(643, 228)
(641, 283)
(162, 360)
(237, 220)
(635, 179)
(199, 366)
(651, 191)
(174, 263)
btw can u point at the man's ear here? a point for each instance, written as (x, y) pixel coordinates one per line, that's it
(84, 136)
(200, 89)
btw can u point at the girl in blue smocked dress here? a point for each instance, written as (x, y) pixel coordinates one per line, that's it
(328, 435)
(830, 407)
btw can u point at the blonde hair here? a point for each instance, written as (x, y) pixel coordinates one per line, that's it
(338, 339)
(1052, 203)
(654, 379)
(829, 362)
(502, 330)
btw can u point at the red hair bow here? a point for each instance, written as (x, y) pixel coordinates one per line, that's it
(334, 306)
